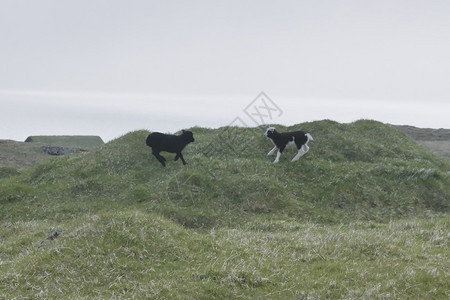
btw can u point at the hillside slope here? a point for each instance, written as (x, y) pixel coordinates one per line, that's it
(15, 156)
(363, 170)
(71, 141)
(438, 140)
(20, 155)
(230, 223)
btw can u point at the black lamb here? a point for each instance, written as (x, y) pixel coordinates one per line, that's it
(169, 143)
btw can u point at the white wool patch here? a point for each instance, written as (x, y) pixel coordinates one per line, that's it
(291, 144)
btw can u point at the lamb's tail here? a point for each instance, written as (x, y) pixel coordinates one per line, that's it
(310, 138)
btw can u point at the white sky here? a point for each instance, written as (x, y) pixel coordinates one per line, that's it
(107, 67)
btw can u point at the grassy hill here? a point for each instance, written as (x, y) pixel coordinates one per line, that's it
(363, 214)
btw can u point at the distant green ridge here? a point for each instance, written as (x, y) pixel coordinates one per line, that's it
(79, 141)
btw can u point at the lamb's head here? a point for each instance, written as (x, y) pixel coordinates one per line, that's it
(188, 136)
(269, 132)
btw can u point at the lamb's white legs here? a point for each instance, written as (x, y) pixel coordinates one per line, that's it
(271, 152)
(277, 159)
(305, 148)
(301, 152)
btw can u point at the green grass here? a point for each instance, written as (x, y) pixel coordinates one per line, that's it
(364, 214)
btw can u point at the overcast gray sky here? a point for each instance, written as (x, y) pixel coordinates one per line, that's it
(106, 67)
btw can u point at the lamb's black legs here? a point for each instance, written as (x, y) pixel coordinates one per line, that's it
(159, 157)
(162, 159)
(179, 155)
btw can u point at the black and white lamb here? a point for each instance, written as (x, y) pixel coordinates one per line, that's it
(284, 140)
(169, 143)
